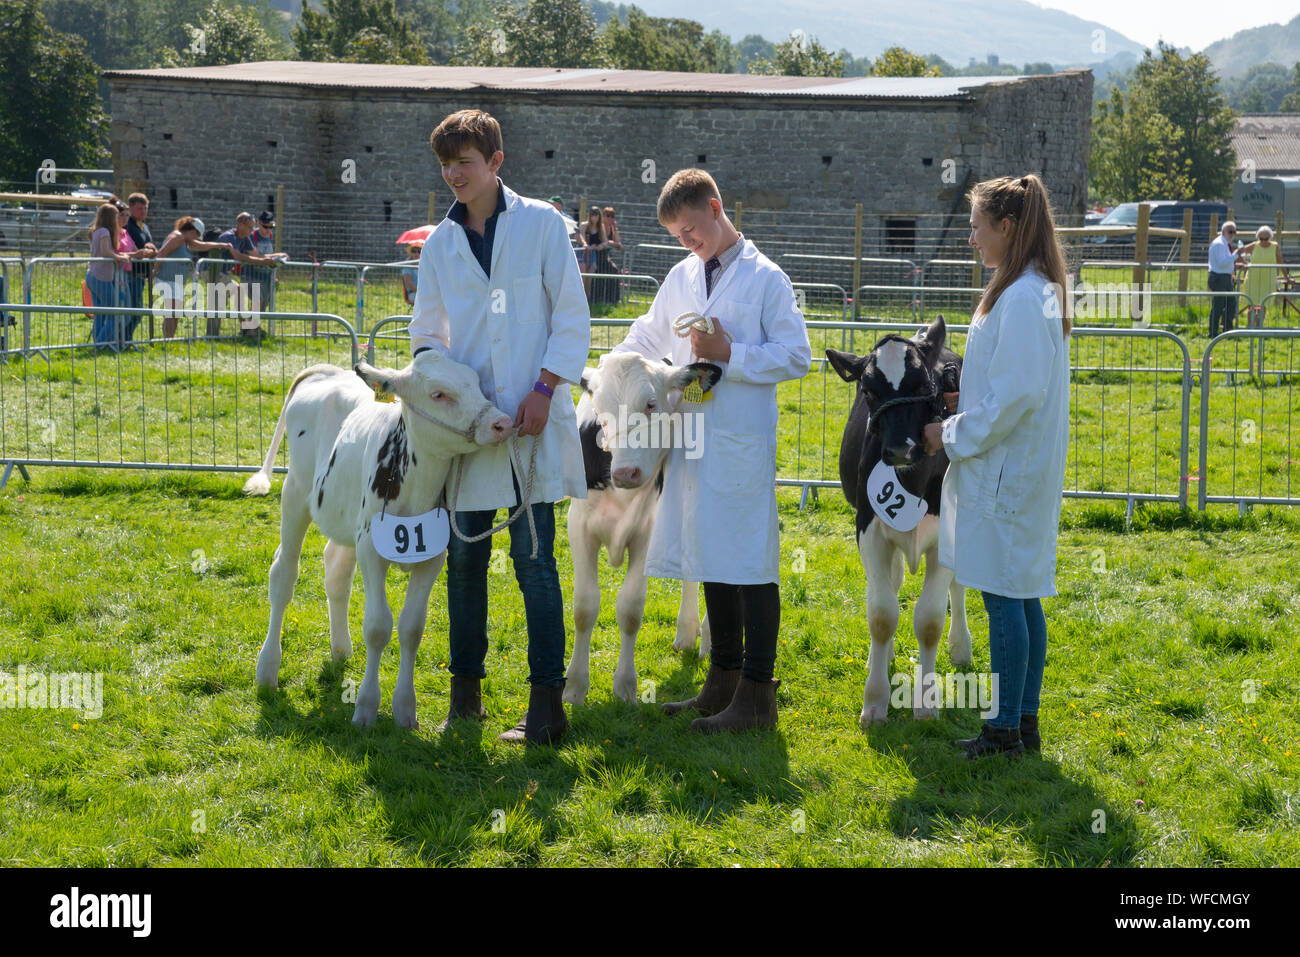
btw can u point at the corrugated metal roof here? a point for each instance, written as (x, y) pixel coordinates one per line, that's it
(1270, 140)
(532, 80)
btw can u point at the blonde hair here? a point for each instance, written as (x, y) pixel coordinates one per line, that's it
(686, 187)
(101, 221)
(1033, 241)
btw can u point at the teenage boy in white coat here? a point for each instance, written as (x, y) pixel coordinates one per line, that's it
(716, 520)
(499, 290)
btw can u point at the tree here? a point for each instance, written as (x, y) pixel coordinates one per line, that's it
(1186, 92)
(49, 100)
(227, 34)
(800, 55)
(662, 43)
(1137, 153)
(1261, 90)
(898, 62)
(1291, 102)
(357, 31)
(552, 33)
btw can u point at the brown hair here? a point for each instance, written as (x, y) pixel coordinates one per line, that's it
(185, 224)
(137, 198)
(686, 187)
(466, 128)
(1033, 241)
(101, 221)
(594, 211)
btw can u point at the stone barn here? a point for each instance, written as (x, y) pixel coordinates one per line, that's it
(349, 143)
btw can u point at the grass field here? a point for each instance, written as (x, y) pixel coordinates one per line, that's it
(1169, 708)
(1168, 715)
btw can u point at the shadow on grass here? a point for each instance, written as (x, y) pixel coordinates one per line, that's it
(178, 484)
(1060, 817)
(443, 793)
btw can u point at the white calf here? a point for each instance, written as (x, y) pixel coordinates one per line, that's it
(349, 459)
(623, 485)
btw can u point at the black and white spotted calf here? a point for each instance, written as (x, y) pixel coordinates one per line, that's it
(623, 486)
(900, 387)
(351, 458)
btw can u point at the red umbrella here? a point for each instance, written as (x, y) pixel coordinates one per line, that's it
(417, 235)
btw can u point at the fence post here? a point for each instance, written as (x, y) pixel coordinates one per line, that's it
(976, 274)
(1187, 254)
(1214, 225)
(857, 256)
(582, 211)
(279, 215)
(1231, 216)
(1140, 249)
(432, 207)
(740, 209)
(1279, 225)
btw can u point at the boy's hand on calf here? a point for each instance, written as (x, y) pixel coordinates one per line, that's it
(533, 413)
(714, 345)
(933, 437)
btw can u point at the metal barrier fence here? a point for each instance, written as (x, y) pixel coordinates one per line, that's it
(303, 287)
(813, 268)
(1255, 434)
(187, 404)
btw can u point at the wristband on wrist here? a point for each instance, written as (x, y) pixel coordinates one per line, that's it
(544, 389)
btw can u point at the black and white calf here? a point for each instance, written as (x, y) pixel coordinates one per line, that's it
(624, 479)
(900, 387)
(351, 458)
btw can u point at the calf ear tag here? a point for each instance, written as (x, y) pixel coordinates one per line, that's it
(894, 505)
(382, 396)
(695, 393)
(411, 538)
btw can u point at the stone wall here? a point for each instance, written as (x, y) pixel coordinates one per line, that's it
(213, 148)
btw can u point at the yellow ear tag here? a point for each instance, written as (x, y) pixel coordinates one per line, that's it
(695, 393)
(382, 396)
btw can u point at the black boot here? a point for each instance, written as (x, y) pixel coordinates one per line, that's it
(719, 688)
(1029, 733)
(545, 720)
(466, 701)
(993, 740)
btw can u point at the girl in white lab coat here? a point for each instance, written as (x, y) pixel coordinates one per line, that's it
(1007, 446)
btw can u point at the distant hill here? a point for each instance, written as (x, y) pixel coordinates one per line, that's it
(1015, 30)
(1275, 43)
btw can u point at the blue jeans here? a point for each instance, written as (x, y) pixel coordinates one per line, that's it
(103, 292)
(539, 582)
(1018, 649)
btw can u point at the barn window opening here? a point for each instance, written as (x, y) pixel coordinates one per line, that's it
(388, 210)
(167, 136)
(550, 154)
(927, 161)
(270, 202)
(370, 149)
(701, 159)
(172, 192)
(900, 236)
(826, 161)
(272, 143)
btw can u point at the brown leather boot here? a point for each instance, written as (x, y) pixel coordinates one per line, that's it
(719, 688)
(993, 740)
(1029, 735)
(753, 706)
(466, 701)
(544, 722)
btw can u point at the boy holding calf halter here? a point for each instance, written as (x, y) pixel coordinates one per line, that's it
(717, 521)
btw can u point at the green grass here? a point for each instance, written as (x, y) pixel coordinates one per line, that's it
(158, 581)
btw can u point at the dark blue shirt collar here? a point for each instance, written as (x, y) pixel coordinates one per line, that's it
(458, 209)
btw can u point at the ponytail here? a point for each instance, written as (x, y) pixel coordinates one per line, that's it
(1033, 240)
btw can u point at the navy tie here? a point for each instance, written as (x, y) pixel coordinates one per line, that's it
(710, 268)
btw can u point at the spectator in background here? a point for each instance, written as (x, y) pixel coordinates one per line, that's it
(1223, 263)
(411, 273)
(264, 241)
(138, 207)
(100, 276)
(606, 290)
(570, 223)
(175, 262)
(592, 239)
(243, 249)
(1261, 280)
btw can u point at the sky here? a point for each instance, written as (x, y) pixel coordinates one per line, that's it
(1194, 23)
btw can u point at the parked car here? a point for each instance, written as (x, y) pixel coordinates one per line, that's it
(1166, 214)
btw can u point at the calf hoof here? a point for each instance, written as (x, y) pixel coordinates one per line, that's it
(365, 718)
(268, 672)
(341, 653)
(686, 635)
(873, 715)
(925, 714)
(404, 713)
(625, 688)
(575, 692)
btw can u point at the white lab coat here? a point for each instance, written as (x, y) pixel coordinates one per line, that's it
(1007, 444)
(530, 315)
(716, 520)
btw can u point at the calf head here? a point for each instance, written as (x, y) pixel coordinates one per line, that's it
(899, 382)
(443, 391)
(635, 405)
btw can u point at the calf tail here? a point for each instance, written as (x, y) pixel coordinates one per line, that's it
(260, 481)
